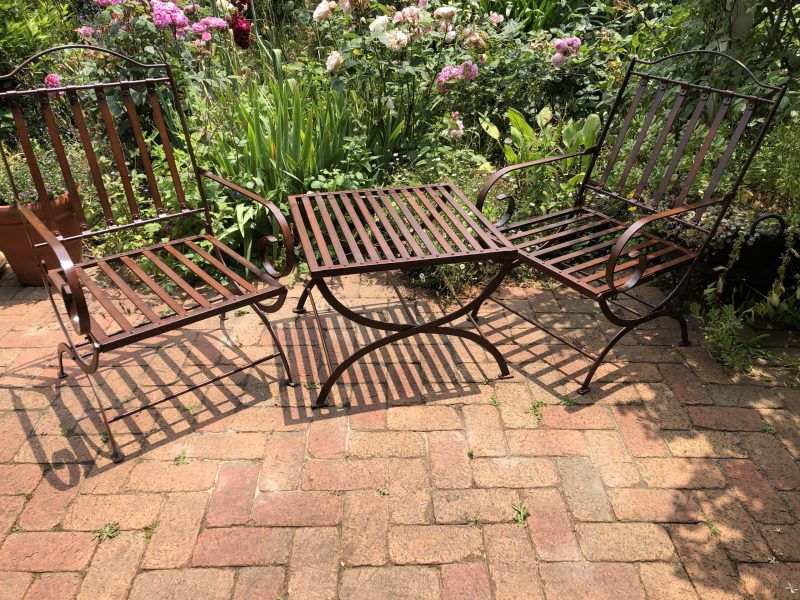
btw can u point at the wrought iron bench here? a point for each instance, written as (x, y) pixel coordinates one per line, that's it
(666, 132)
(113, 301)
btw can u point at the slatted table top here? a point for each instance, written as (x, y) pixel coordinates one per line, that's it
(371, 230)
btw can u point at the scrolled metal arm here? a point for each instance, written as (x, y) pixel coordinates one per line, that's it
(498, 175)
(71, 291)
(266, 241)
(641, 258)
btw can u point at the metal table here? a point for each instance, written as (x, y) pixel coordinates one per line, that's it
(375, 230)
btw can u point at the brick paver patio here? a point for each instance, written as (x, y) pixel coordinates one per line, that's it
(669, 481)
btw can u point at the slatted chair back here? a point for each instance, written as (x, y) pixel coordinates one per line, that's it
(109, 120)
(665, 134)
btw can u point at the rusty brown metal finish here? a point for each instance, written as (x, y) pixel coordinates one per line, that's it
(155, 107)
(61, 158)
(91, 157)
(144, 153)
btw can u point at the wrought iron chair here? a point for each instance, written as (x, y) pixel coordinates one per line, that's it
(113, 301)
(672, 130)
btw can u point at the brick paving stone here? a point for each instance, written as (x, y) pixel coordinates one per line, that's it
(598, 581)
(209, 584)
(423, 418)
(49, 502)
(704, 444)
(577, 417)
(365, 525)
(639, 431)
(178, 526)
(368, 418)
(783, 541)
(13, 585)
(256, 583)
(434, 544)
(660, 403)
(313, 573)
(47, 551)
(583, 490)
(10, 507)
(777, 464)
(107, 478)
(130, 511)
(725, 418)
(623, 542)
(297, 509)
(230, 445)
(755, 493)
(705, 561)
(465, 581)
(342, 474)
(484, 430)
(655, 505)
(512, 566)
(449, 461)
(770, 581)
(748, 396)
(738, 533)
(409, 491)
(688, 389)
(612, 460)
(385, 444)
(327, 434)
(787, 428)
(464, 506)
(544, 442)
(241, 547)
(51, 586)
(681, 473)
(666, 581)
(233, 495)
(113, 567)
(549, 526)
(390, 583)
(163, 476)
(513, 472)
(19, 479)
(283, 461)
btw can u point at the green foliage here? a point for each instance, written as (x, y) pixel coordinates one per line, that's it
(722, 328)
(29, 26)
(553, 184)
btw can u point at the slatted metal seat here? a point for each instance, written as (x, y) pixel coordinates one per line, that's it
(662, 176)
(576, 244)
(113, 301)
(381, 229)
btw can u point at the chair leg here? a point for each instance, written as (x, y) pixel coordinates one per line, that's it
(684, 328)
(290, 381)
(584, 389)
(301, 303)
(62, 374)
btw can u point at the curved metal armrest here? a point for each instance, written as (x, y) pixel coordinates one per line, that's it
(266, 241)
(641, 258)
(71, 291)
(498, 175)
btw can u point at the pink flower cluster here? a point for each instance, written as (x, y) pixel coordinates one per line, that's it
(564, 49)
(467, 71)
(168, 14)
(206, 25)
(85, 32)
(52, 80)
(455, 128)
(105, 3)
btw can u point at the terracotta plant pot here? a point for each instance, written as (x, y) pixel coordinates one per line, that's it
(14, 241)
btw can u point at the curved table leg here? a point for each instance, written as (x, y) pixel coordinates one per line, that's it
(402, 331)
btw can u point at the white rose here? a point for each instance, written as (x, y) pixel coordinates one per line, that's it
(334, 62)
(396, 40)
(323, 10)
(379, 25)
(445, 13)
(450, 36)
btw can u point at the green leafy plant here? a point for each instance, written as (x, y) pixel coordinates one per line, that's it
(107, 531)
(150, 530)
(521, 514)
(535, 409)
(180, 459)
